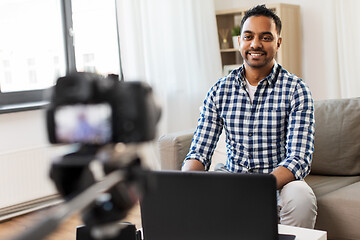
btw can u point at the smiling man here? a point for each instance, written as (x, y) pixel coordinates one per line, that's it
(267, 114)
(259, 41)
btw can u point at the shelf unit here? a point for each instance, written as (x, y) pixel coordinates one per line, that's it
(289, 54)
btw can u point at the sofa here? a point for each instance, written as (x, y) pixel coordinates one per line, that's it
(335, 170)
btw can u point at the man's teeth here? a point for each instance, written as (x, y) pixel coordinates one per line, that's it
(256, 54)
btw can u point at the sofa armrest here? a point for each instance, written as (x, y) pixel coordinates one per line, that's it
(173, 149)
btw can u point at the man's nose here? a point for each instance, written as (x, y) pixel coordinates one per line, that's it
(256, 43)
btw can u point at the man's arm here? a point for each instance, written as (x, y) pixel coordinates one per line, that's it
(299, 138)
(192, 165)
(283, 176)
(206, 134)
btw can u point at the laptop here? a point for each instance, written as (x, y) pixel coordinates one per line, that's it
(210, 206)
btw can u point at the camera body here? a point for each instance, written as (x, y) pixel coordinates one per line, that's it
(91, 109)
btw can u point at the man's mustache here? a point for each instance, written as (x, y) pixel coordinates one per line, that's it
(256, 50)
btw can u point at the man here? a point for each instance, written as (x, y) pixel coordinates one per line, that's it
(267, 114)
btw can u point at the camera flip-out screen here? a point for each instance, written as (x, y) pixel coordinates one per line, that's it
(83, 123)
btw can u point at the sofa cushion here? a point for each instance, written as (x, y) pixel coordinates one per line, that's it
(339, 213)
(322, 185)
(173, 149)
(337, 137)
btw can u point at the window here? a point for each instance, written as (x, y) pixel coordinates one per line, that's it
(45, 39)
(95, 36)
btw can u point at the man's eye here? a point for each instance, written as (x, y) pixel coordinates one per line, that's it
(247, 37)
(267, 39)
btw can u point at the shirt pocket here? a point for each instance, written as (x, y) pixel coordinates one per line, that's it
(273, 122)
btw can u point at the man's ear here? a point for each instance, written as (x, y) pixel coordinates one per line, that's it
(279, 42)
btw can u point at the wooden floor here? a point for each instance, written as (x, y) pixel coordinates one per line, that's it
(66, 231)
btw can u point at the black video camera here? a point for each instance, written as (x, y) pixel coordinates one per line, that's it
(91, 109)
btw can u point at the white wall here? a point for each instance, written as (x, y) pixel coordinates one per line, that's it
(314, 49)
(25, 158)
(22, 130)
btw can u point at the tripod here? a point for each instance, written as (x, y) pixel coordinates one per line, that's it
(102, 204)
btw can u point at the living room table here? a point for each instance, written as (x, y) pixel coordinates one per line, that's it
(303, 233)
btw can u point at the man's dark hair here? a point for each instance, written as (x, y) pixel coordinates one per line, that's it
(262, 10)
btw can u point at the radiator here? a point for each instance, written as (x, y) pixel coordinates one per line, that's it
(24, 176)
(25, 185)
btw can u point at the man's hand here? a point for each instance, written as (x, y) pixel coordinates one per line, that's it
(192, 165)
(283, 176)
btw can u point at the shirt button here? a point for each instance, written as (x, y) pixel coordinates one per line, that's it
(250, 156)
(250, 134)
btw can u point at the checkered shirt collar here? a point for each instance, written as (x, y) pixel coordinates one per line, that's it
(271, 78)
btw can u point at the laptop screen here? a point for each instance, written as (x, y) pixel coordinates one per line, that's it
(209, 206)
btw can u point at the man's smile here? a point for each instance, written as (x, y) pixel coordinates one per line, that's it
(256, 53)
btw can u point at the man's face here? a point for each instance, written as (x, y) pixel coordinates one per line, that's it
(259, 42)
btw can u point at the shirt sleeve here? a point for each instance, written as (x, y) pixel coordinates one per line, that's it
(300, 132)
(207, 132)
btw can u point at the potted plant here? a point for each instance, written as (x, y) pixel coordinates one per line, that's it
(235, 32)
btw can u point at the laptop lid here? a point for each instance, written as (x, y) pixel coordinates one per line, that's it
(209, 206)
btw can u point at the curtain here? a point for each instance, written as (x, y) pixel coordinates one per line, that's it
(172, 45)
(342, 50)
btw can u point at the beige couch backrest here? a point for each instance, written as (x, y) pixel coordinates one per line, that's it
(337, 137)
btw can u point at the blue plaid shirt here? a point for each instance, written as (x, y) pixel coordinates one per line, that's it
(277, 129)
